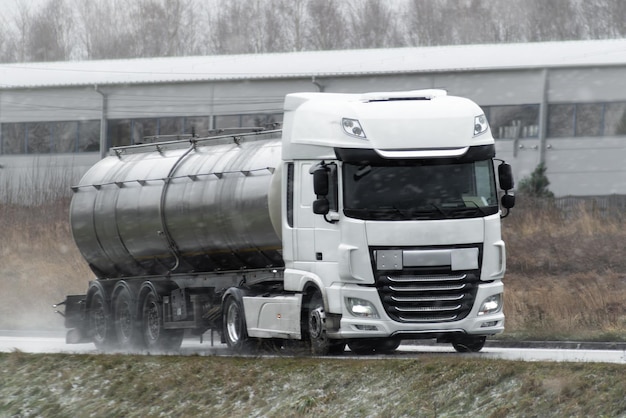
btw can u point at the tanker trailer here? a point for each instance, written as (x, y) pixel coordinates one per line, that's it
(163, 226)
(370, 218)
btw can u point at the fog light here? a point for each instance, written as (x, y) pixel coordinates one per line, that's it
(361, 308)
(491, 305)
(489, 324)
(366, 327)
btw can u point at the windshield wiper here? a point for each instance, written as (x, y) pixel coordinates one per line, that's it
(363, 171)
(480, 208)
(439, 208)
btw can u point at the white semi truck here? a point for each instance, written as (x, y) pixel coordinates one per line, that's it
(369, 219)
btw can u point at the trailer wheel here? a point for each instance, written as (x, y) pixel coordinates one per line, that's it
(316, 327)
(469, 344)
(127, 325)
(100, 322)
(234, 325)
(155, 337)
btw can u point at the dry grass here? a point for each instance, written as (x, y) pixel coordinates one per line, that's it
(566, 273)
(40, 264)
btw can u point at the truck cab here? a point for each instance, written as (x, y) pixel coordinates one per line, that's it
(390, 223)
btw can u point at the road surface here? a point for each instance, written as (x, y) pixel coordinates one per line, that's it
(54, 342)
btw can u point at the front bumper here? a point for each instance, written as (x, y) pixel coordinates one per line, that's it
(383, 327)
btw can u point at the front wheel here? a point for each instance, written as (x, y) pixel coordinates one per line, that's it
(469, 344)
(155, 336)
(316, 327)
(387, 346)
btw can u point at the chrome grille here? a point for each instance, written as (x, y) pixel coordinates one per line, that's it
(416, 296)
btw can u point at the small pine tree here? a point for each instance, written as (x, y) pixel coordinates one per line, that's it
(537, 184)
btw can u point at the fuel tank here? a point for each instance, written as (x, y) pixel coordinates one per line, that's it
(182, 207)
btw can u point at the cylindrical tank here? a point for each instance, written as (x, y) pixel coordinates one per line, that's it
(207, 205)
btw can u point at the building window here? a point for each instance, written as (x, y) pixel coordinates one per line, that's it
(39, 138)
(589, 119)
(13, 138)
(227, 121)
(50, 137)
(88, 136)
(615, 119)
(170, 126)
(561, 120)
(263, 120)
(505, 121)
(119, 132)
(144, 130)
(256, 120)
(197, 126)
(586, 119)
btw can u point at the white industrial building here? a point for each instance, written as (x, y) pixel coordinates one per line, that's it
(562, 103)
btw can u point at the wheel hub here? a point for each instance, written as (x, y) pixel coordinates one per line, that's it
(317, 319)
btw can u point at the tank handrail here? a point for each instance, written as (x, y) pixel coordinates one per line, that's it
(165, 145)
(192, 177)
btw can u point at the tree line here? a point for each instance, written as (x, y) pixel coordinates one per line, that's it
(61, 30)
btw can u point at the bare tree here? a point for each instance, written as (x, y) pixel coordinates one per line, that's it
(230, 23)
(327, 25)
(104, 29)
(295, 13)
(162, 27)
(49, 32)
(374, 24)
(424, 22)
(88, 29)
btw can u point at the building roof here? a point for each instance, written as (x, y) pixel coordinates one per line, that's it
(315, 64)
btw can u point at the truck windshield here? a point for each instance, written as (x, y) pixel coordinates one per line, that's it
(420, 190)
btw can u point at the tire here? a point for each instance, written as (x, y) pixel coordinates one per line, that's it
(337, 347)
(126, 323)
(234, 325)
(383, 346)
(100, 322)
(315, 332)
(155, 337)
(469, 344)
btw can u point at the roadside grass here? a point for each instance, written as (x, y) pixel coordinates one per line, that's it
(566, 273)
(151, 386)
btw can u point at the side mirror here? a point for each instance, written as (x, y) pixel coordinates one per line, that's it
(505, 176)
(508, 201)
(321, 206)
(320, 181)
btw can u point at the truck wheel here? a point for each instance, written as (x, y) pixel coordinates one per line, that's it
(374, 346)
(127, 325)
(336, 347)
(469, 344)
(234, 325)
(316, 326)
(155, 337)
(100, 322)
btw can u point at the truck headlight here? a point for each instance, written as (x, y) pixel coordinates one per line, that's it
(361, 308)
(353, 128)
(491, 305)
(480, 125)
